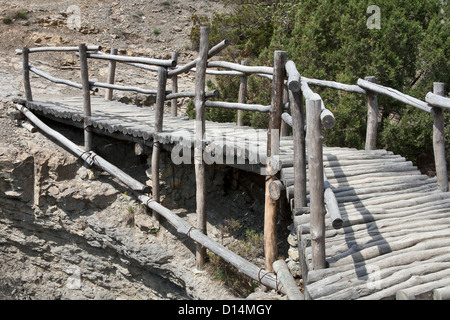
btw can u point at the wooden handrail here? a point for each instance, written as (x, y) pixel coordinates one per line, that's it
(126, 59)
(437, 100)
(56, 80)
(58, 49)
(395, 94)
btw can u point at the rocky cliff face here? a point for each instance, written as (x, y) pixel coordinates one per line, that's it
(70, 233)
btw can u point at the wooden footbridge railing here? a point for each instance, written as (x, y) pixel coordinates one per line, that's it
(313, 196)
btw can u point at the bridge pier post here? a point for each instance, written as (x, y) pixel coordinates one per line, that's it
(439, 141)
(372, 118)
(111, 75)
(86, 97)
(273, 144)
(199, 163)
(314, 140)
(174, 78)
(159, 116)
(26, 73)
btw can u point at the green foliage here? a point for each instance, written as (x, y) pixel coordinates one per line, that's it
(7, 20)
(21, 14)
(330, 40)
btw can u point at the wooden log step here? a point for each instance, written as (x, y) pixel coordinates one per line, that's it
(423, 251)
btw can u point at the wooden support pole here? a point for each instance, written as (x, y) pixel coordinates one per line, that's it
(159, 115)
(273, 143)
(242, 94)
(200, 166)
(314, 140)
(26, 73)
(86, 96)
(111, 75)
(372, 117)
(287, 281)
(439, 141)
(298, 131)
(174, 78)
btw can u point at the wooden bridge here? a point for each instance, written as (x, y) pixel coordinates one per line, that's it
(368, 224)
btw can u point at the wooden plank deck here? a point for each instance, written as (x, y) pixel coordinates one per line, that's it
(396, 232)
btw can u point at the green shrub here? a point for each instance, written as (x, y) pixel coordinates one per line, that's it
(7, 20)
(21, 14)
(330, 40)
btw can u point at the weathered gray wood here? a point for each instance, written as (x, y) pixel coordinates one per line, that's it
(273, 141)
(240, 68)
(395, 94)
(242, 265)
(285, 128)
(159, 116)
(174, 78)
(287, 280)
(62, 49)
(334, 85)
(26, 125)
(276, 189)
(126, 59)
(440, 157)
(242, 98)
(189, 66)
(86, 96)
(316, 182)
(436, 100)
(372, 118)
(302, 243)
(441, 293)
(200, 166)
(111, 74)
(299, 158)
(287, 118)
(424, 289)
(208, 94)
(26, 74)
(90, 157)
(55, 80)
(332, 205)
(237, 106)
(327, 118)
(294, 77)
(121, 88)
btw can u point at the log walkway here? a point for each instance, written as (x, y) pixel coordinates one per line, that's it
(367, 223)
(395, 218)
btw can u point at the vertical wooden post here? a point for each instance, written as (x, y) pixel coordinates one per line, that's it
(174, 87)
(111, 75)
(273, 143)
(242, 94)
(159, 115)
(372, 118)
(200, 166)
(314, 140)
(439, 141)
(86, 96)
(298, 131)
(26, 73)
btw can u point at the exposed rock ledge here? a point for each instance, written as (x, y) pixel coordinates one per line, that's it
(64, 236)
